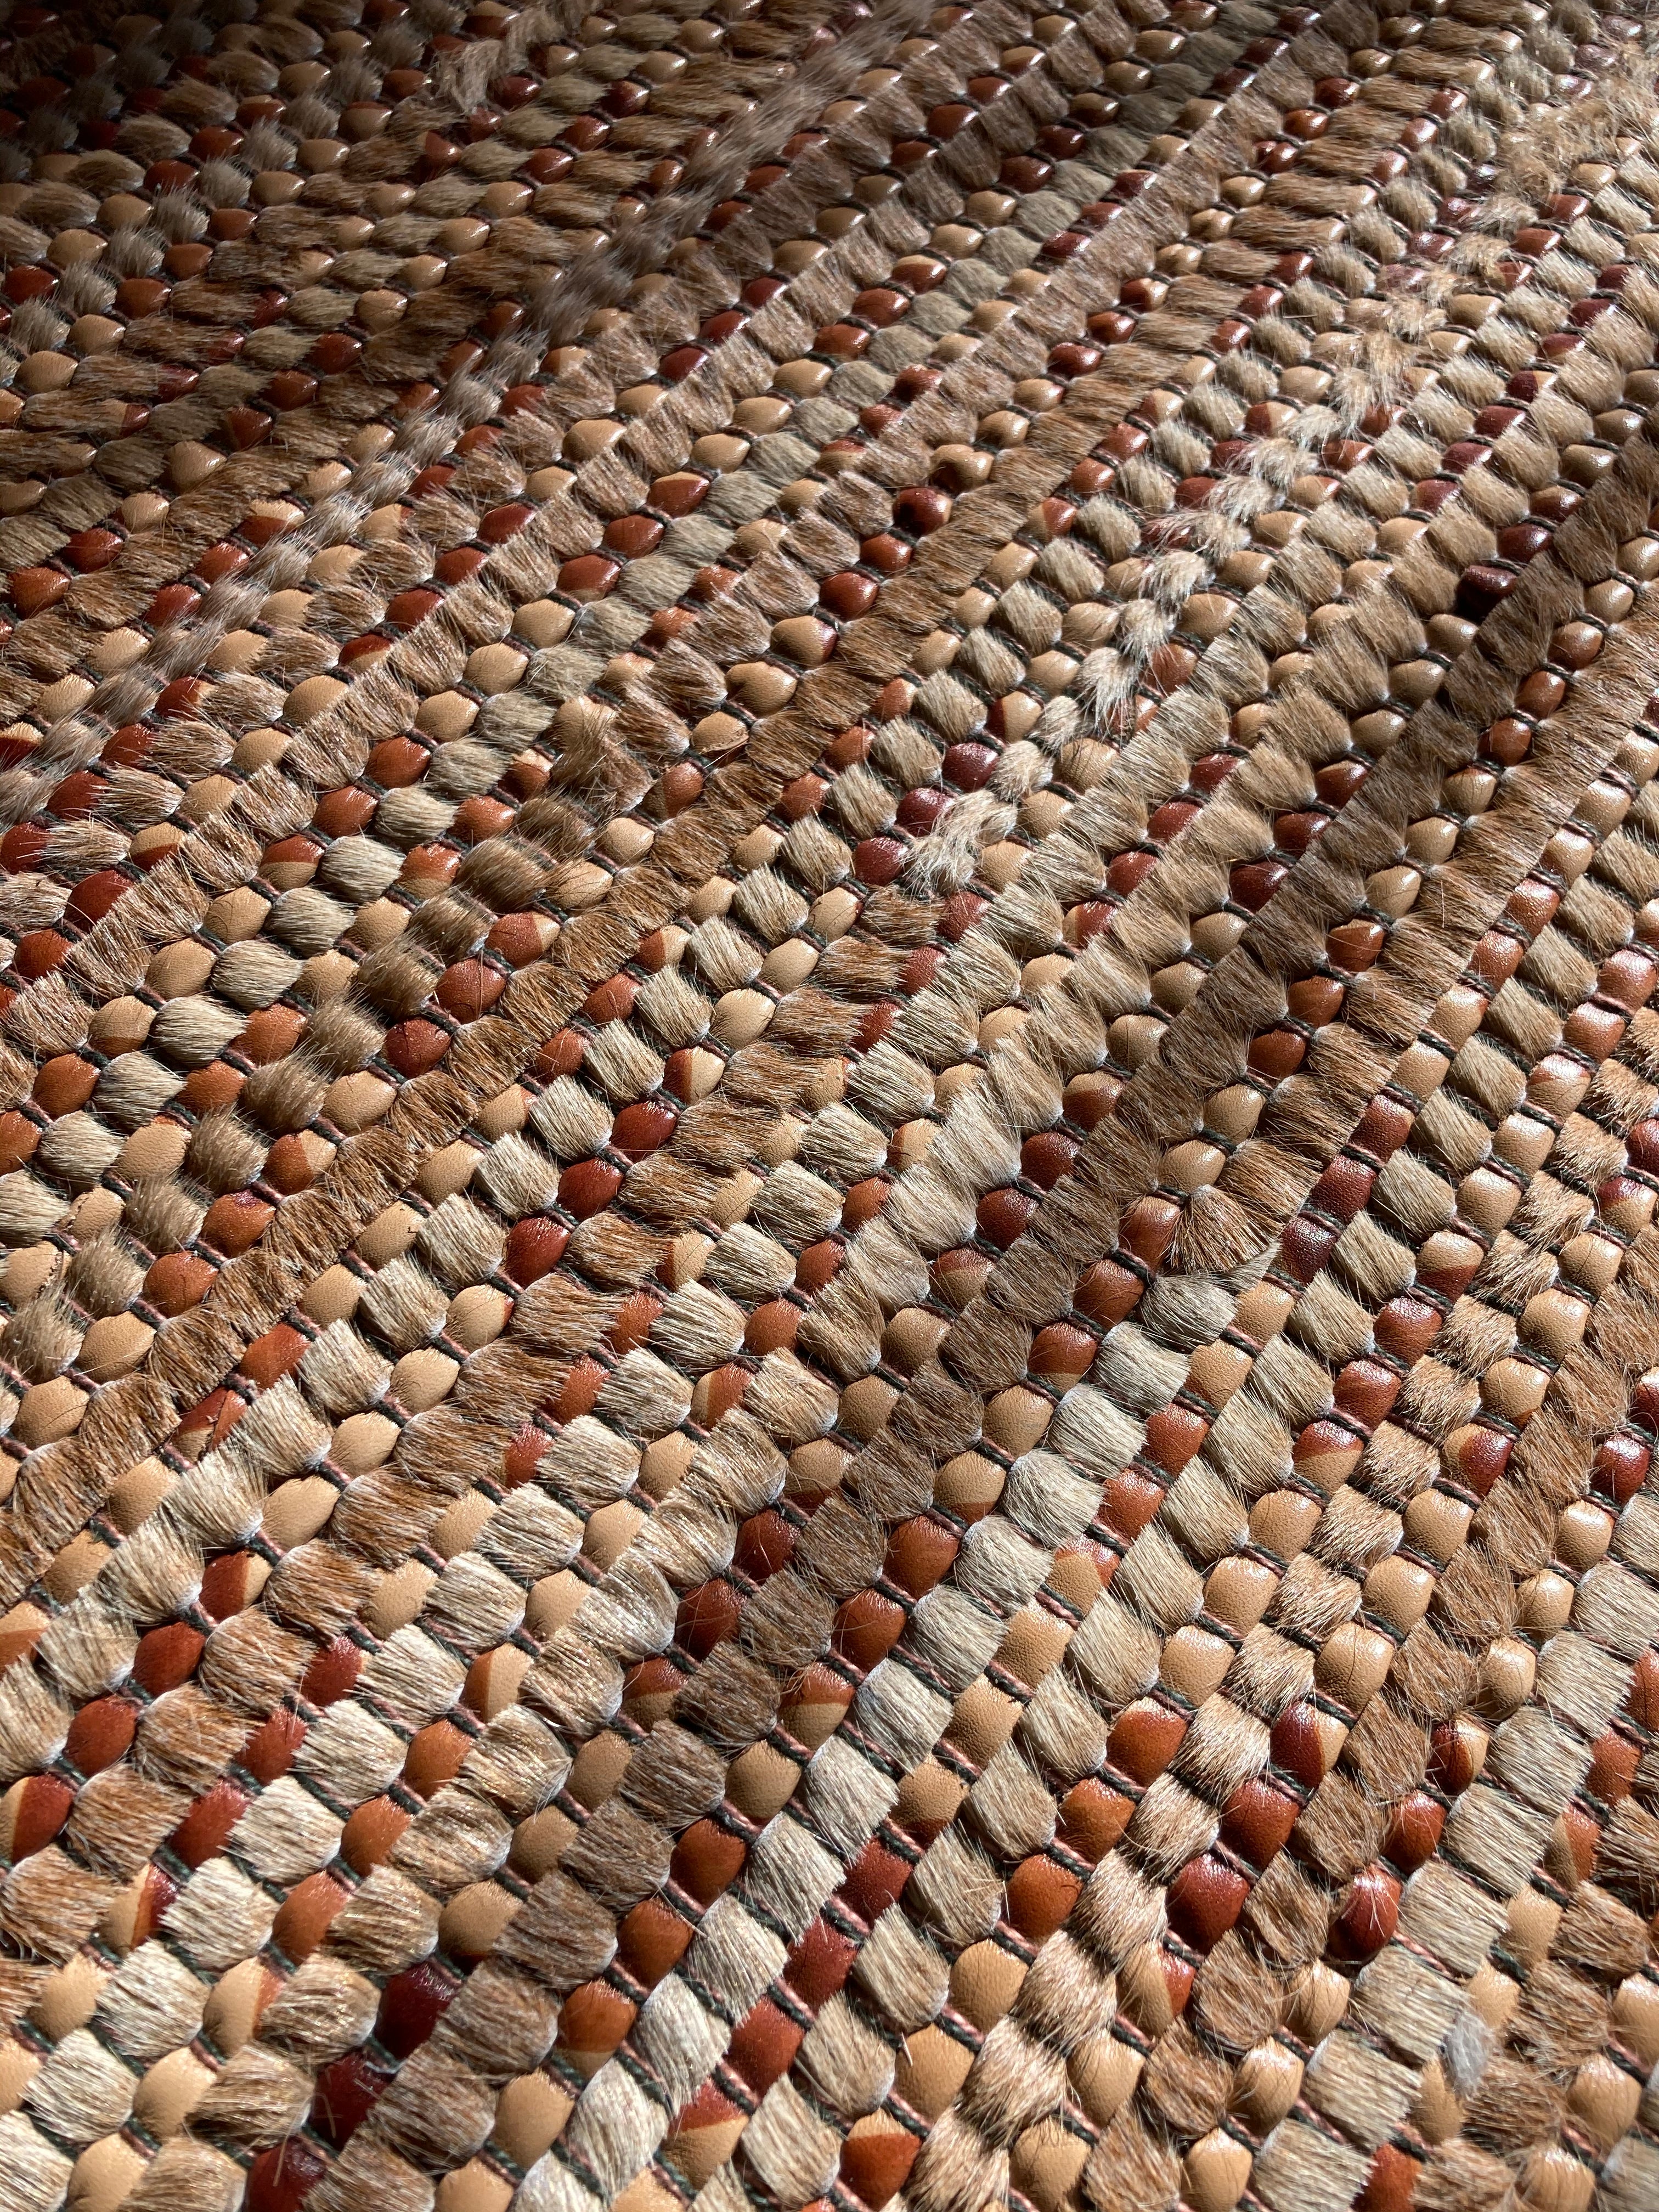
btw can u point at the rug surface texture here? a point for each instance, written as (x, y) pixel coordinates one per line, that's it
(828, 1107)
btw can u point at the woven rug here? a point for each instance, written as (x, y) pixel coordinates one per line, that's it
(829, 1048)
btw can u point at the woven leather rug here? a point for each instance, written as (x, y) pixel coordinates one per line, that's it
(829, 1048)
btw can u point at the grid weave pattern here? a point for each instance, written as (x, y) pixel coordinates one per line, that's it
(830, 1023)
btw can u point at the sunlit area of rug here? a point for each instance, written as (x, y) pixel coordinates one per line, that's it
(828, 1107)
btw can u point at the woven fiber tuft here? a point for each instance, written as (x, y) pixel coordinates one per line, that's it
(828, 1107)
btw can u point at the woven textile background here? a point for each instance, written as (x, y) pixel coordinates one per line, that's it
(828, 1107)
